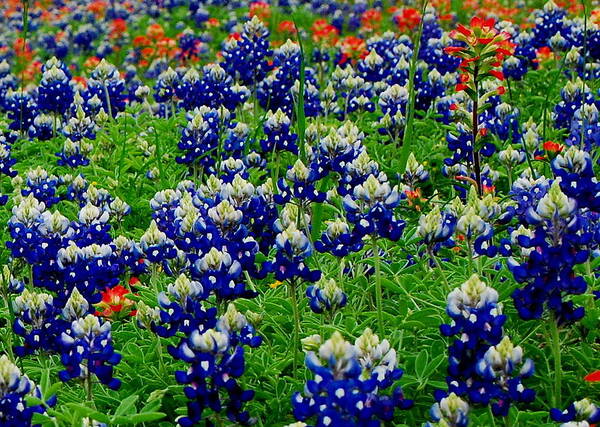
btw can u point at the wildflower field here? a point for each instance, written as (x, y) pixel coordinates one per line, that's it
(299, 213)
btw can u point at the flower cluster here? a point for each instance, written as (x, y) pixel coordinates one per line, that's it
(349, 382)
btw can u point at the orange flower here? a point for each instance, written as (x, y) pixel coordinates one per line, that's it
(91, 62)
(407, 19)
(324, 33)
(260, 9)
(118, 27)
(98, 8)
(141, 41)
(287, 27)
(415, 198)
(114, 304)
(553, 147)
(371, 19)
(155, 31)
(213, 23)
(544, 53)
(353, 48)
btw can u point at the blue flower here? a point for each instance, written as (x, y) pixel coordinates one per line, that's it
(349, 383)
(577, 413)
(326, 295)
(87, 349)
(14, 408)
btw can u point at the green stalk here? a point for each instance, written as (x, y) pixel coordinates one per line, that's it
(436, 261)
(492, 418)
(548, 92)
(296, 312)
(406, 145)
(555, 346)
(378, 290)
(300, 114)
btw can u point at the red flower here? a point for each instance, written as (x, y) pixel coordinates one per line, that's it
(260, 9)
(593, 377)
(407, 19)
(114, 304)
(353, 47)
(371, 19)
(324, 33)
(553, 147)
(489, 189)
(450, 50)
(287, 27)
(118, 27)
(213, 23)
(498, 74)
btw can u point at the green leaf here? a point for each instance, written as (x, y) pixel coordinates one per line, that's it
(127, 406)
(84, 411)
(137, 418)
(421, 364)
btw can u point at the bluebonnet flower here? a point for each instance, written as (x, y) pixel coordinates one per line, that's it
(393, 106)
(200, 138)
(370, 209)
(220, 274)
(245, 58)
(338, 239)
(527, 192)
(574, 95)
(84, 36)
(303, 181)
(156, 245)
(499, 365)
(482, 361)
(415, 172)
(436, 227)
(35, 314)
(216, 358)
(55, 94)
(165, 87)
(349, 382)
(87, 349)
(106, 85)
(585, 127)
(74, 153)
(577, 178)
(42, 185)
(44, 127)
(182, 310)
(14, 390)
(475, 230)
(278, 134)
(548, 273)
(293, 248)
(450, 411)
(215, 88)
(548, 22)
(511, 158)
(21, 109)
(326, 295)
(372, 67)
(6, 164)
(582, 412)
(275, 91)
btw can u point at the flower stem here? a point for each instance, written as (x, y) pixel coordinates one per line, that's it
(378, 290)
(296, 343)
(555, 346)
(492, 418)
(436, 261)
